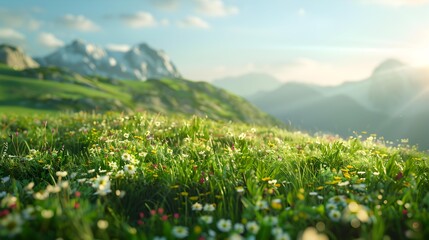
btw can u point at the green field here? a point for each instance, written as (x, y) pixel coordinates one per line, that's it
(146, 176)
(51, 89)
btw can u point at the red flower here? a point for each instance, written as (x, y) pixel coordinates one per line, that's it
(160, 211)
(76, 205)
(153, 212)
(404, 212)
(141, 214)
(164, 218)
(176, 215)
(4, 213)
(77, 194)
(140, 222)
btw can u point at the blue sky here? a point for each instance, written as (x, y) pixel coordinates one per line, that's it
(323, 42)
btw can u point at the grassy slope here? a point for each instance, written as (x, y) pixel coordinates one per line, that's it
(72, 92)
(268, 177)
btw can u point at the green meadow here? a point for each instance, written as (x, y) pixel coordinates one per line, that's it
(152, 176)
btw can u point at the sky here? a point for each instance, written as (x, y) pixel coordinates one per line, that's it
(320, 42)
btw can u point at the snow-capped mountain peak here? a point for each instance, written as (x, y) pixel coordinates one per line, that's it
(139, 63)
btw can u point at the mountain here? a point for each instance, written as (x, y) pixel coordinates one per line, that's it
(15, 57)
(53, 89)
(248, 84)
(141, 62)
(392, 102)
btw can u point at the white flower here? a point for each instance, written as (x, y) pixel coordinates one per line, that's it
(3, 194)
(343, 184)
(331, 206)
(276, 231)
(376, 173)
(338, 200)
(130, 169)
(272, 182)
(127, 157)
(126, 135)
(102, 224)
(252, 227)
(159, 238)
(102, 185)
(313, 193)
(271, 220)
(235, 236)
(197, 207)
(238, 227)
(5, 179)
(261, 204)
(283, 236)
(224, 225)
(12, 223)
(207, 219)
(180, 231)
(61, 173)
(209, 207)
(335, 215)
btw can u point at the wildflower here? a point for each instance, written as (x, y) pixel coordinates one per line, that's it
(271, 220)
(126, 157)
(207, 219)
(180, 232)
(41, 195)
(91, 171)
(209, 207)
(261, 204)
(283, 236)
(239, 228)
(335, 215)
(224, 225)
(5, 179)
(197, 207)
(235, 236)
(53, 189)
(126, 135)
(275, 231)
(61, 173)
(102, 224)
(338, 200)
(47, 213)
(3, 194)
(120, 193)
(102, 184)
(312, 193)
(12, 223)
(272, 182)
(252, 227)
(130, 169)
(376, 173)
(343, 184)
(239, 189)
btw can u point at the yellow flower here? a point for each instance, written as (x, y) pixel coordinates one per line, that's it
(185, 194)
(266, 179)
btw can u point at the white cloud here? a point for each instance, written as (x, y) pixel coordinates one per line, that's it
(18, 19)
(10, 34)
(139, 20)
(395, 3)
(166, 4)
(215, 8)
(78, 22)
(118, 47)
(192, 21)
(49, 40)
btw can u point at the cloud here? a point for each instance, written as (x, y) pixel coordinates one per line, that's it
(139, 19)
(166, 4)
(10, 34)
(78, 22)
(192, 21)
(49, 40)
(18, 19)
(118, 47)
(396, 3)
(215, 8)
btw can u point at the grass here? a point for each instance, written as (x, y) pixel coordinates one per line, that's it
(145, 176)
(59, 90)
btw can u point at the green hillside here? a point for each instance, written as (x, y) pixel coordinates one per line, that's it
(145, 176)
(55, 89)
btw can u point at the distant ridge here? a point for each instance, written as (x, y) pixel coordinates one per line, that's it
(15, 58)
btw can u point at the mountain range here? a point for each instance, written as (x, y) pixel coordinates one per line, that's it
(140, 62)
(392, 102)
